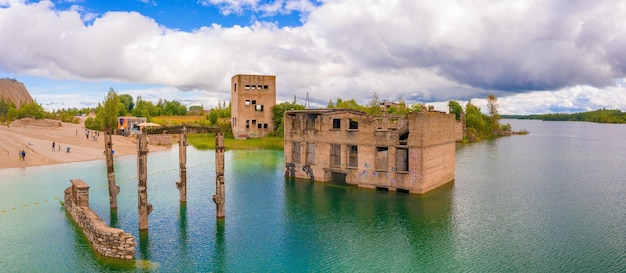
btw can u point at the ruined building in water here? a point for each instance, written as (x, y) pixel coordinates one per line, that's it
(415, 153)
(252, 99)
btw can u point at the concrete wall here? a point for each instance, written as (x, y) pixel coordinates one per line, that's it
(428, 139)
(248, 94)
(105, 240)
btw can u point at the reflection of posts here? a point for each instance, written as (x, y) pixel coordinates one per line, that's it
(144, 207)
(219, 197)
(108, 151)
(182, 159)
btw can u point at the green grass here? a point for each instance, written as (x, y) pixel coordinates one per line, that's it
(207, 141)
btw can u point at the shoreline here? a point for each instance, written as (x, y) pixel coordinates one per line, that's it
(35, 137)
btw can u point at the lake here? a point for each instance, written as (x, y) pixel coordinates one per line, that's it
(550, 201)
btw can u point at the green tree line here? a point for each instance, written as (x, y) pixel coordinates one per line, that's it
(600, 116)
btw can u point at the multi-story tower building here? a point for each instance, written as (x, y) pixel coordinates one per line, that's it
(252, 99)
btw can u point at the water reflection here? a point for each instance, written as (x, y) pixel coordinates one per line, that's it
(219, 259)
(113, 215)
(144, 245)
(371, 227)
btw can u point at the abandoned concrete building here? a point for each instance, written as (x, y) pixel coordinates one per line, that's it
(415, 153)
(252, 99)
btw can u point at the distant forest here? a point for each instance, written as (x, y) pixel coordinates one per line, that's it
(599, 116)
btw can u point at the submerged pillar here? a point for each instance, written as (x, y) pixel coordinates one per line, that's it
(219, 196)
(108, 151)
(144, 207)
(182, 159)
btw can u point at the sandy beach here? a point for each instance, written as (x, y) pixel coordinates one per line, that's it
(35, 137)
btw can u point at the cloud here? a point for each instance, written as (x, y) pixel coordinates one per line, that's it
(421, 51)
(267, 8)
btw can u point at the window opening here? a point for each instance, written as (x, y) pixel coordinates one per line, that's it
(310, 121)
(402, 159)
(353, 156)
(295, 152)
(335, 154)
(336, 123)
(382, 158)
(310, 152)
(354, 124)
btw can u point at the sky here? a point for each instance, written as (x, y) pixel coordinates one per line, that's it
(535, 56)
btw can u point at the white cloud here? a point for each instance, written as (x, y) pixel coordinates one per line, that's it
(267, 8)
(419, 50)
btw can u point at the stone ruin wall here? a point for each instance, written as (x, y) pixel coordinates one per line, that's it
(105, 240)
(160, 139)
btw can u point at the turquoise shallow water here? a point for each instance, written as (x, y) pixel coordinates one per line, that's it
(554, 200)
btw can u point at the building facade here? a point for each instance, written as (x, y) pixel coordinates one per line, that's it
(252, 99)
(128, 125)
(415, 153)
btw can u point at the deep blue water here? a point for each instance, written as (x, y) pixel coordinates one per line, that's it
(550, 201)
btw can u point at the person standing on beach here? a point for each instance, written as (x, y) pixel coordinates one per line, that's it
(59, 145)
(53, 146)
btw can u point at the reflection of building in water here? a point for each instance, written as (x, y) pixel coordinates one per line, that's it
(252, 99)
(128, 125)
(415, 153)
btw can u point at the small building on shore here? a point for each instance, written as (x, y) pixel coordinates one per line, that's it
(129, 125)
(415, 153)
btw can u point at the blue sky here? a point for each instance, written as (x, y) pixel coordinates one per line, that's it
(536, 56)
(190, 15)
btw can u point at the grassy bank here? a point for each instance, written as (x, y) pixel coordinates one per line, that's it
(207, 141)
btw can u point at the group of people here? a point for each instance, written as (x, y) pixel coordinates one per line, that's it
(94, 135)
(22, 155)
(58, 145)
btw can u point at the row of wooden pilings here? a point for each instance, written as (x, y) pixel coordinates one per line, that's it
(144, 207)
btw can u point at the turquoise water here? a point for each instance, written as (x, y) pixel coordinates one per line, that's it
(554, 200)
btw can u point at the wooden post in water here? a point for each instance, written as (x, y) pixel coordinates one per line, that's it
(108, 151)
(219, 196)
(144, 207)
(182, 159)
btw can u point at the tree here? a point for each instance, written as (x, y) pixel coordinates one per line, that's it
(213, 115)
(278, 111)
(477, 123)
(143, 108)
(106, 115)
(456, 109)
(373, 107)
(492, 106)
(127, 100)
